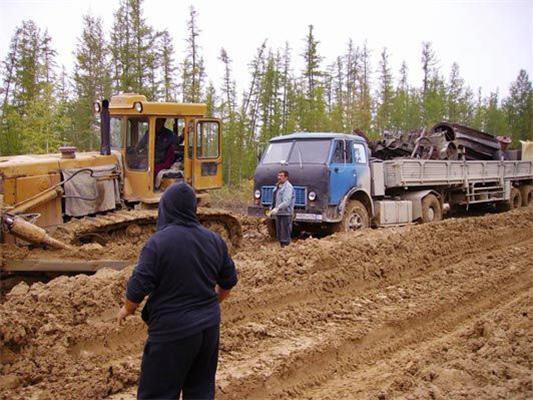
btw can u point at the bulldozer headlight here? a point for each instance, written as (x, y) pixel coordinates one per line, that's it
(138, 107)
(311, 196)
(257, 194)
(96, 107)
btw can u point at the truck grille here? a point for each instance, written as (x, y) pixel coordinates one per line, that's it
(266, 195)
(300, 193)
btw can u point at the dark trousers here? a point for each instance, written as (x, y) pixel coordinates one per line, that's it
(284, 229)
(187, 365)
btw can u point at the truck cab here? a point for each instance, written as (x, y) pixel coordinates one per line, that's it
(329, 171)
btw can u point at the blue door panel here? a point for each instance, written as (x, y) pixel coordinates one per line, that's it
(342, 178)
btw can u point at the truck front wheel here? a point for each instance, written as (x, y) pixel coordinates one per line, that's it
(431, 209)
(355, 218)
(271, 228)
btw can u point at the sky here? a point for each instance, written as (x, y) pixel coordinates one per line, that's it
(490, 40)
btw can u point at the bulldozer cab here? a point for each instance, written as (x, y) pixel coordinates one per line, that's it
(161, 143)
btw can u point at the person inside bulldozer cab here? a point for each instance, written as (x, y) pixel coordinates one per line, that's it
(165, 145)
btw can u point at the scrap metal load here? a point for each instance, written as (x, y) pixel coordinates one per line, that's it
(444, 141)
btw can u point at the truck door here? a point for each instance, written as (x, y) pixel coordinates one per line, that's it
(207, 160)
(342, 176)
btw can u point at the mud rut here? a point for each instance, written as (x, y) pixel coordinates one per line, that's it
(441, 310)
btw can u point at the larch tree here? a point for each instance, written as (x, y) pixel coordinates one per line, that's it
(495, 119)
(233, 147)
(519, 107)
(364, 101)
(192, 68)
(336, 117)
(352, 68)
(385, 94)
(168, 66)
(455, 96)
(133, 51)
(92, 81)
(30, 103)
(313, 106)
(269, 100)
(401, 103)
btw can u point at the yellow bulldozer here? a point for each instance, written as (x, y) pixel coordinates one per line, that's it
(72, 198)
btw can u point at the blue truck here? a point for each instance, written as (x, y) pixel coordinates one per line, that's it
(339, 186)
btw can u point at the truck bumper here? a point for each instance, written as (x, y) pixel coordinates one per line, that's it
(308, 217)
(257, 211)
(299, 215)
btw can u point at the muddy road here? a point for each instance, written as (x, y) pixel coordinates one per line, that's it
(441, 311)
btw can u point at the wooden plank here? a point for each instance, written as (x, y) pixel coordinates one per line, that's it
(55, 265)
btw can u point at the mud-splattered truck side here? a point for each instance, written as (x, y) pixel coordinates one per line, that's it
(339, 187)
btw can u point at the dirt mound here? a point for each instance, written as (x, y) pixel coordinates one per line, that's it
(432, 311)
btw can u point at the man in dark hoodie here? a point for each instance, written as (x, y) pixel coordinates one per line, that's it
(186, 271)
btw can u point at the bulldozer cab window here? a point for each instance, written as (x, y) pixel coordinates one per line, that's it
(178, 127)
(116, 133)
(190, 140)
(137, 144)
(207, 139)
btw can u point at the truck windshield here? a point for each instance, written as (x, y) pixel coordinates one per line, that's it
(296, 152)
(309, 152)
(277, 153)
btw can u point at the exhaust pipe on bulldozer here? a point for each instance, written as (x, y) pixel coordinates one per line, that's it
(105, 128)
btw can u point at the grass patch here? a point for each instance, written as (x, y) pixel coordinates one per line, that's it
(236, 198)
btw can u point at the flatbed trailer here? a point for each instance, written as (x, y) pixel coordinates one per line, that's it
(339, 186)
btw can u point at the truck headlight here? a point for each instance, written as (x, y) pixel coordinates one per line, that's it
(311, 196)
(257, 194)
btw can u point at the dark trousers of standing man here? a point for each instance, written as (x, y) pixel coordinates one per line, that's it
(284, 229)
(187, 365)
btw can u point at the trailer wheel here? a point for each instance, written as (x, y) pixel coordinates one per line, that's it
(355, 218)
(431, 209)
(526, 192)
(515, 201)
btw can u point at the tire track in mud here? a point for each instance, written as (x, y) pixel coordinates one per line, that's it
(416, 371)
(343, 348)
(265, 349)
(308, 305)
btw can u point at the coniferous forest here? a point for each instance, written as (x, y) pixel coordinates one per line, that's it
(43, 107)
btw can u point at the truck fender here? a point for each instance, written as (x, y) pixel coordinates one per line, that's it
(358, 194)
(416, 198)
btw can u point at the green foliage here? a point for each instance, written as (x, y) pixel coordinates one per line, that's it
(385, 94)
(43, 108)
(519, 107)
(193, 70)
(92, 82)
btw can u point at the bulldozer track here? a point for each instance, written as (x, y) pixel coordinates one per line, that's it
(115, 226)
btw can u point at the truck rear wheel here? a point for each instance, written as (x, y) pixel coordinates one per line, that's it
(516, 198)
(431, 209)
(355, 218)
(526, 192)
(515, 201)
